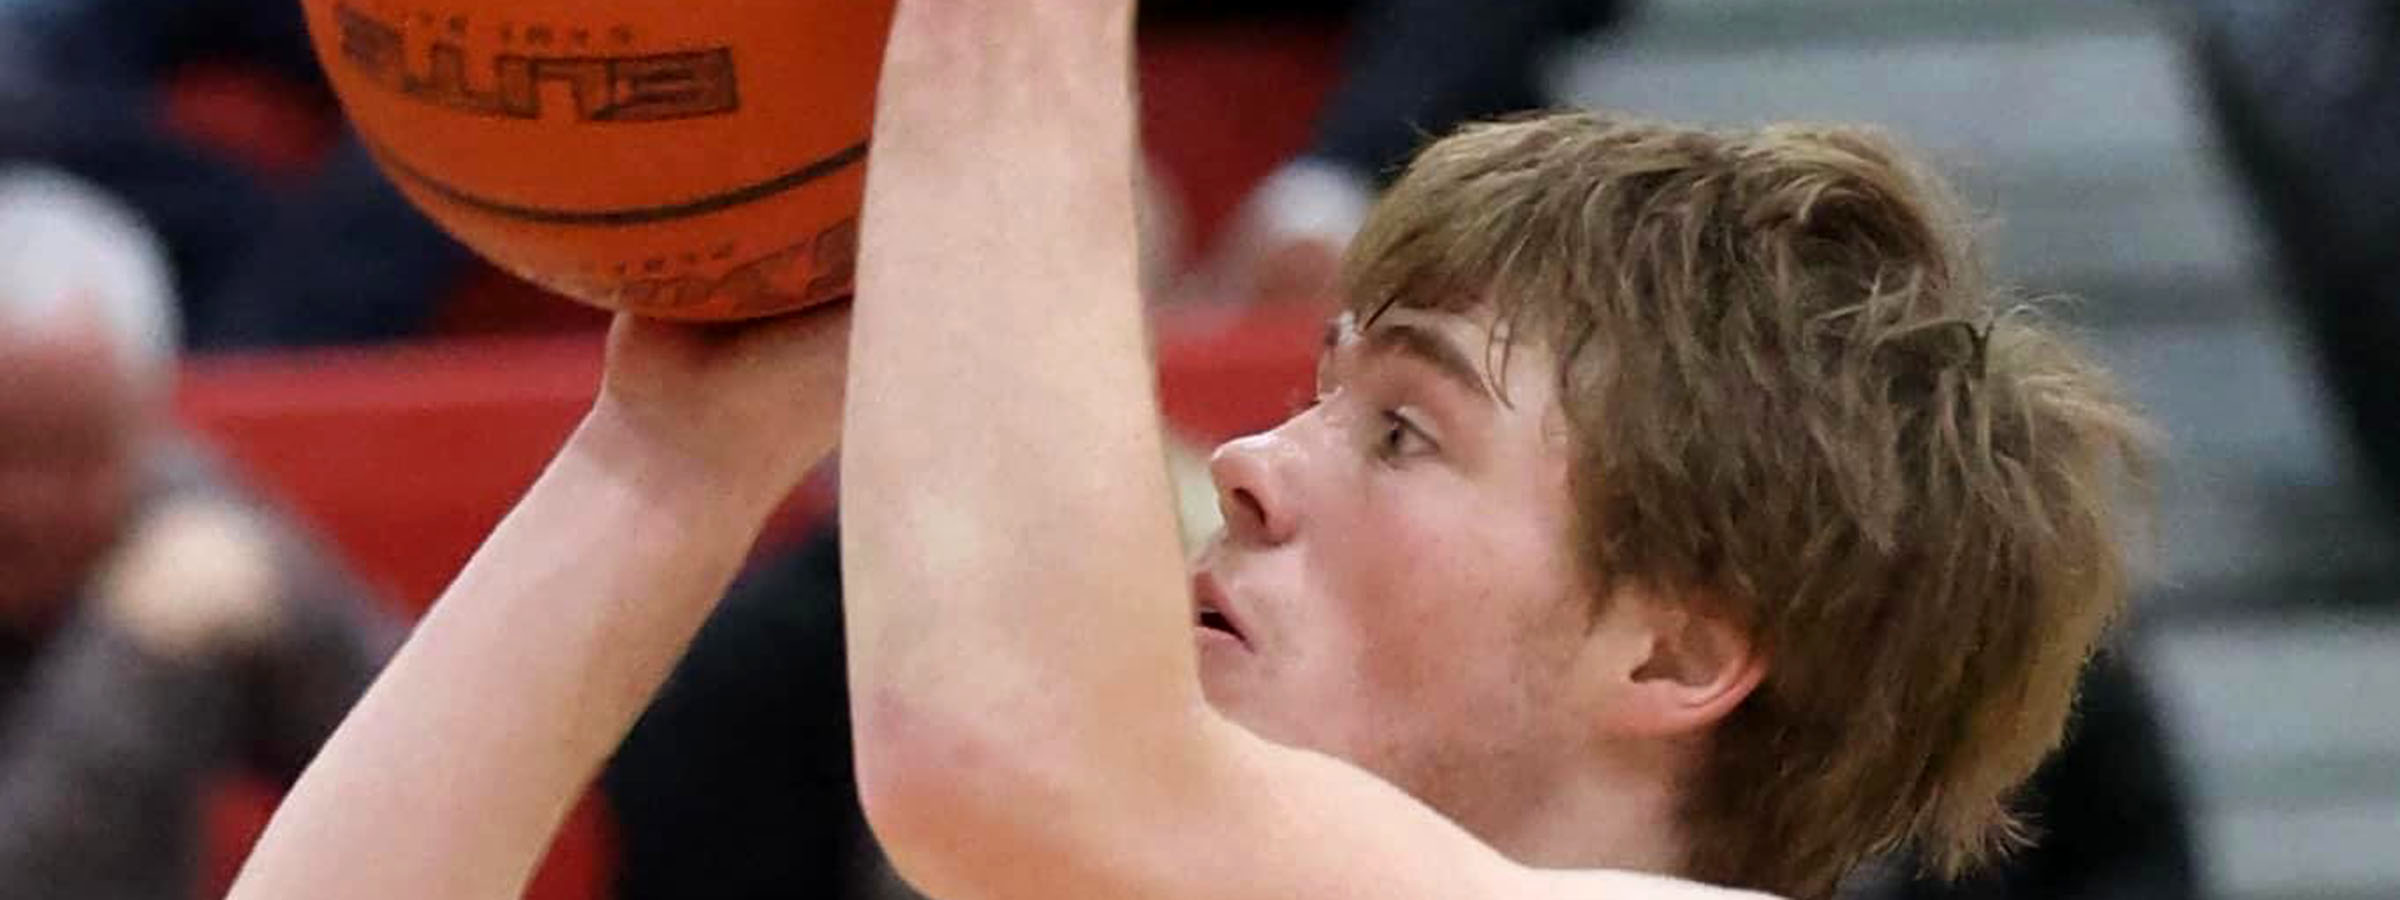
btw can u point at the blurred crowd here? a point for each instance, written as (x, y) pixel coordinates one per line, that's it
(160, 626)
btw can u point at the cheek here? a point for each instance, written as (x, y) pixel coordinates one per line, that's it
(1451, 545)
(64, 511)
(51, 535)
(1437, 587)
(1425, 593)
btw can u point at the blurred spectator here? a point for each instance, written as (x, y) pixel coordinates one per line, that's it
(157, 628)
(1413, 69)
(2307, 96)
(333, 255)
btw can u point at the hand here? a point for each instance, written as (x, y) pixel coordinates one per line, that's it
(195, 582)
(751, 403)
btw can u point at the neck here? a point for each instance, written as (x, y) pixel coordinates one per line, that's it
(1596, 819)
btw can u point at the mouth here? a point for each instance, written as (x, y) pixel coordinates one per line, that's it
(1216, 621)
(1209, 610)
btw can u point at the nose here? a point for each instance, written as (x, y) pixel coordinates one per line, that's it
(1253, 491)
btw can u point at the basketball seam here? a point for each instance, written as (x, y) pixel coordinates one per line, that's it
(638, 215)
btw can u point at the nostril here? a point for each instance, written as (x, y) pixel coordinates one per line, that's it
(1252, 511)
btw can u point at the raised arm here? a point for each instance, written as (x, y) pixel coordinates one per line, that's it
(1004, 492)
(1023, 674)
(1010, 559)
(449, 777)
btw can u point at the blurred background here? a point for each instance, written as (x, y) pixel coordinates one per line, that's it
(355, 400)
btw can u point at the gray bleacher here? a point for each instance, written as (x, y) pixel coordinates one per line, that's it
(2272, 630)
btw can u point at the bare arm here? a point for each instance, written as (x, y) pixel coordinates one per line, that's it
(449, 777)
(1024, 686)
(1009, 555)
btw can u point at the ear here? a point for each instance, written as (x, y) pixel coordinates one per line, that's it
(1676, 669)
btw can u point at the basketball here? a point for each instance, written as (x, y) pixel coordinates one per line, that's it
(679, 159)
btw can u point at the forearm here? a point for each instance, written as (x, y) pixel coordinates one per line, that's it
(450, 775)
(1005, 505)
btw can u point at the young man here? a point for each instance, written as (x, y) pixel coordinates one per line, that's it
(1672, 503)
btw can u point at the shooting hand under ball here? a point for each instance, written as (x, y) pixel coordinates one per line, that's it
(745, 407)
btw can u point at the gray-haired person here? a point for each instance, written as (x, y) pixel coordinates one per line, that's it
(157, 626)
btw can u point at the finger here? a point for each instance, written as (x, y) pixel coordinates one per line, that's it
(819, 328)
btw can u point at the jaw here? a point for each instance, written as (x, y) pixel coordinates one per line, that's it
(1221, 672)
(1239, 686)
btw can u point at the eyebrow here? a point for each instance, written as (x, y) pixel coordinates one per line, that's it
(1431, 348)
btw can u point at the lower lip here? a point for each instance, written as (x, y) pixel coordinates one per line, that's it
(1216, 637)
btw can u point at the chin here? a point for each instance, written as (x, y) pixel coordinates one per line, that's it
(1237, 698)
(1216, 684)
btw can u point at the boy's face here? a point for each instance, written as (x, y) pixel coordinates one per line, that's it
(67, 427)
(1395, 584)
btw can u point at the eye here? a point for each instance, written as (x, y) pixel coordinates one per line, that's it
(1401, 438)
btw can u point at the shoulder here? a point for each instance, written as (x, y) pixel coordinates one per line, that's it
(1612, 885)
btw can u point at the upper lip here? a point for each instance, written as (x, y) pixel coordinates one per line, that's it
(1209, 596)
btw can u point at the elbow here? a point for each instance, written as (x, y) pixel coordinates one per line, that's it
(969, 801)
(962, 788)
(909, 765)
(949, 796)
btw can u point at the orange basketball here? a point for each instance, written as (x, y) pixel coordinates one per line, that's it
(683, 159)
